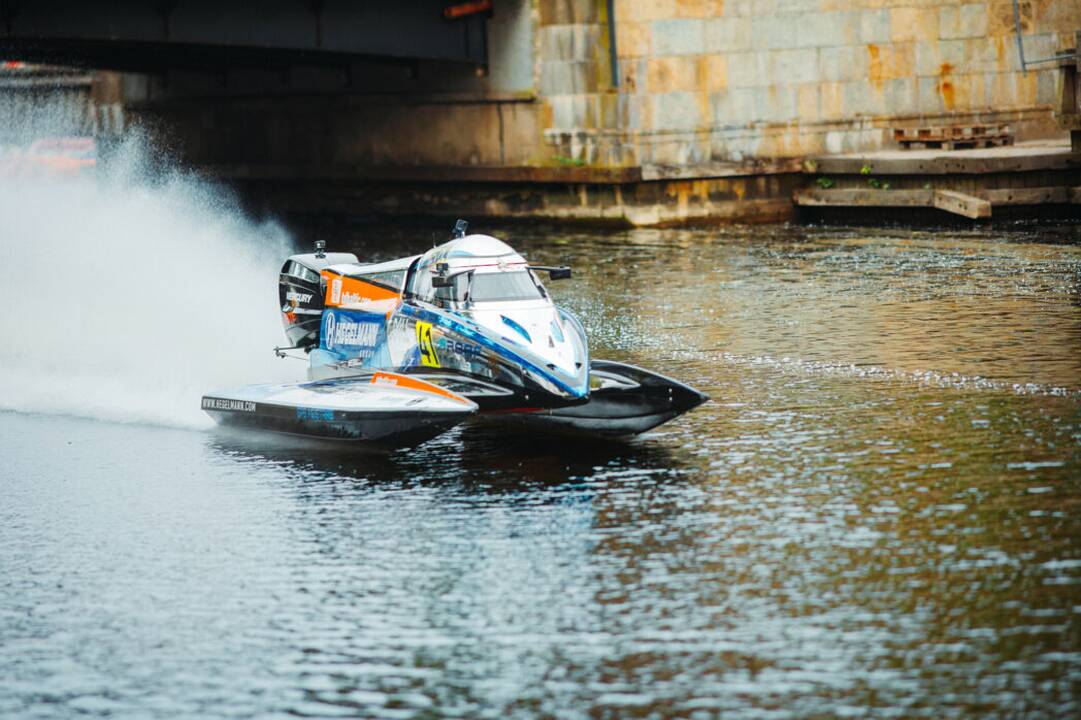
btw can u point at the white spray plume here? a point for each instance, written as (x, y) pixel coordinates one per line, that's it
(131, 292)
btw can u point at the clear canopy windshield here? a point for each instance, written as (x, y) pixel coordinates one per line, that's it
(503, 286)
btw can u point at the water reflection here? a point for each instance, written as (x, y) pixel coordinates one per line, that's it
(877, 514)
(473, 457)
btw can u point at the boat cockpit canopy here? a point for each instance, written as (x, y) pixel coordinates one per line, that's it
(473, 269)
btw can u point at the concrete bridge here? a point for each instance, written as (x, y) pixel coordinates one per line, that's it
(626, 111)
(222, 35)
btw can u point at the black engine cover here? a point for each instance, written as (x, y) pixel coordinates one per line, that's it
(301, 291)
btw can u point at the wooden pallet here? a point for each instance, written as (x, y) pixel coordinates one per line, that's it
(953, 137)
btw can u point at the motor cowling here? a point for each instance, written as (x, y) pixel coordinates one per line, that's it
(301, 294)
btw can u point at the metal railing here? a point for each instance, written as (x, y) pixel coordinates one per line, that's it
(1021, 44)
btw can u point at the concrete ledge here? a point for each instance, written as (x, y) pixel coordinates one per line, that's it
(963, 204)
(719, 170)
(949, 200)
(628, 204)
(501, 174)
(959, 203)
(1029, 196)
(339, 100)
(863, 197)
(468, 173)
(1014, 158)
(44, 82)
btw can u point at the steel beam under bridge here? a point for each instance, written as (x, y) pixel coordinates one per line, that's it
(159, 35)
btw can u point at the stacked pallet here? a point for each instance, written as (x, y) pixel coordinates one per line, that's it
(953, 137)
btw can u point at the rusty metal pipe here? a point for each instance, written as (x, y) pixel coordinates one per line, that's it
(613, 59)
(1017, 29)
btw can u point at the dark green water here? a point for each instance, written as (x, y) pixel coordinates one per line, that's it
(877, 514)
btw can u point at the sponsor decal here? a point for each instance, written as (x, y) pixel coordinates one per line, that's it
(328, 330)
(343, 332)
(458, 348)
(298, 297)
(355, 291)
(304, 413)
(226, 404)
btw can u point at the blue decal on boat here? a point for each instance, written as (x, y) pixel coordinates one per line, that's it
(352, 334)
(470, 333)
(516, 327)
(304, 413)
(457, 347)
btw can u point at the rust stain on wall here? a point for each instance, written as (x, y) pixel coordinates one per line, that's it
(738, 186)
(1000, 51)
(945, 87)
(874, 69)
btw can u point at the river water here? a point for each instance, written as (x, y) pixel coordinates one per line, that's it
(878, 513)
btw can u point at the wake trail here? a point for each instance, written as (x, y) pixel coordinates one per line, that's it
(926, 378)
(133, 291)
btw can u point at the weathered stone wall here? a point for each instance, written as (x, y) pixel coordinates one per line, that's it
(703, 81)
(696, 83)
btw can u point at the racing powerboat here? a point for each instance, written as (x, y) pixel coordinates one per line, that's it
(400, 351)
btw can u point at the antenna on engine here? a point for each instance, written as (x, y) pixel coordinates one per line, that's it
(459, 229)
(320, 248)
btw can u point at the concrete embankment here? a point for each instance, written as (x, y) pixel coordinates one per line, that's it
(624, 111)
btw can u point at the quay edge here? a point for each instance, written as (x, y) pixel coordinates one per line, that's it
(615, 197)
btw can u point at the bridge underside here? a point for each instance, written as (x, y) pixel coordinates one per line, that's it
(145, 36)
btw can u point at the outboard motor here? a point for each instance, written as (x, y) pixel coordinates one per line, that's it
(301, 293)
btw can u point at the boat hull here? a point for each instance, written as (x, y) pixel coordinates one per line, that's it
(383, 409)
(625, 400)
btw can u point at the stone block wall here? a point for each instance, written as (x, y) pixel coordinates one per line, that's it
(695, 82)
(703, 81)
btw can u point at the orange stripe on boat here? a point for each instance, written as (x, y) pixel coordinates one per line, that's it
(405, 381)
